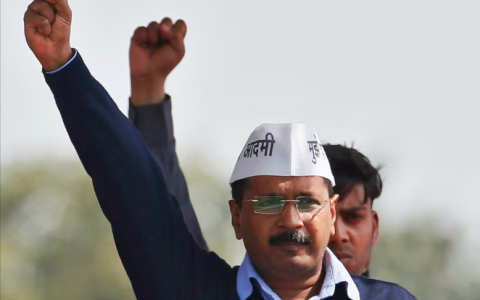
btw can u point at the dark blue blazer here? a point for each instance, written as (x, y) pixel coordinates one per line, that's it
(155, 124)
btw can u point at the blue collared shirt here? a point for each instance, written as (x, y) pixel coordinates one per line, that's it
(335, 273)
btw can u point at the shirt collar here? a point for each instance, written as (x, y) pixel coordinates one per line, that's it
(335, 273)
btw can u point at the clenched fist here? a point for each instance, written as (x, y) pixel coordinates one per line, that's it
(154, 52)
(47, 30)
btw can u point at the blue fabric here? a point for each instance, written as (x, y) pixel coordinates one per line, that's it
(155, 124)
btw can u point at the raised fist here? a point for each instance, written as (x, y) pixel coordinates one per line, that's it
(154, 52)
(47, 30)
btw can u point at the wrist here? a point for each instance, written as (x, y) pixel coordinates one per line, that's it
(59, 61)
(146, 92)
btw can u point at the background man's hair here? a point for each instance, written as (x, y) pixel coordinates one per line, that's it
(350, 167)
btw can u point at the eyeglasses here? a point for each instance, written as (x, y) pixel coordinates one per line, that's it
(271, 205)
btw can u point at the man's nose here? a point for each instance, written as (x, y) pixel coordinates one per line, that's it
(341, 235)
(290, 218)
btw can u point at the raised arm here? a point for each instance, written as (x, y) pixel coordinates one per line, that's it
(150, 109)
(159, 254)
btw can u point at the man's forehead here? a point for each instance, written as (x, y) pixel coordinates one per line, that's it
(307, 185)
(355, 198)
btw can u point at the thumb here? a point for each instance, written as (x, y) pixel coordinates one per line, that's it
(62, 9)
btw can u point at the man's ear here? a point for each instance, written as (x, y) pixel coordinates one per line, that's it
(375, 227)
(333, 211)
(235, 211)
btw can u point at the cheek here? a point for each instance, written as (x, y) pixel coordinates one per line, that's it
(256, 230)
(319, 229)
(361, 234)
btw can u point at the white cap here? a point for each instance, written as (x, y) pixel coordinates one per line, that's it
(283, 149)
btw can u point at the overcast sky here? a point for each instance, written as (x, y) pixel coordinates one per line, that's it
(399, 78)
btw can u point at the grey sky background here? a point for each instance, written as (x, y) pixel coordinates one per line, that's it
(401, 79)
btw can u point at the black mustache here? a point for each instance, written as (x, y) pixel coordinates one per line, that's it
(295, 236)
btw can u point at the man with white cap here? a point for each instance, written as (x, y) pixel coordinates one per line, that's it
(284, 209)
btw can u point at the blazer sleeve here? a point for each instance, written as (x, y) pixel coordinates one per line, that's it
(159, 254)
(154, 122)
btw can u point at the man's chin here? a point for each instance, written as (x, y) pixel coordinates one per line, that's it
(346, 261)
(350, 265)
(291, 249)
(292, 257)
(295, 265)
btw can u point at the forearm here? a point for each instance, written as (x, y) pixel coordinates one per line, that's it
(155, 125)
(103, 138)
(129, 184)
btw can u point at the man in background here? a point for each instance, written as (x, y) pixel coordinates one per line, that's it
(356, 225)
(357, 182)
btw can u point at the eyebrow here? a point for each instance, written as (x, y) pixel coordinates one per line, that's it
(278, 195)
(270, 195)
(353, 209)
(306, 194)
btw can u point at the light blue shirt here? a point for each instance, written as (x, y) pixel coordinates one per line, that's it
(335, 273)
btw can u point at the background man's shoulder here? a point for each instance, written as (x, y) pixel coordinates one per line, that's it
(377, 289)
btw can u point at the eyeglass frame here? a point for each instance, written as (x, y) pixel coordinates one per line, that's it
(284, 201)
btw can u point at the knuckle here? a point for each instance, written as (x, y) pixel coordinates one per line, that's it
(179, 35)
(139, 33)
(33, 6)
(44, 4)
(36, 5)
(152, 24)
(43, 23)
(140, 29)
(40, 7)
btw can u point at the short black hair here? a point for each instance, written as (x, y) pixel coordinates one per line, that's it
(350, 167)
(239, 186)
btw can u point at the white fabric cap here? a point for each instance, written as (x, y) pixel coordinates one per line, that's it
(283, 149)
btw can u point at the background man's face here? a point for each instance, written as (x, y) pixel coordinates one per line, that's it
(257, 230)
(356, 230)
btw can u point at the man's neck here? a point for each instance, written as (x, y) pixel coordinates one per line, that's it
(305, 290)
